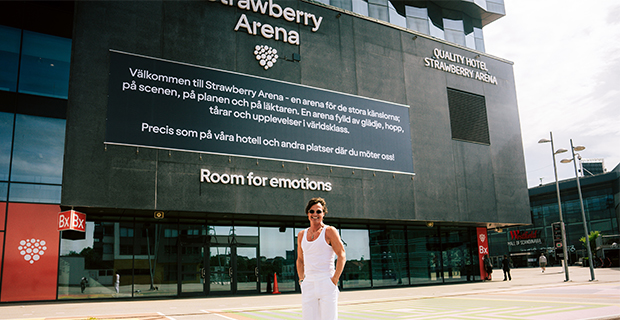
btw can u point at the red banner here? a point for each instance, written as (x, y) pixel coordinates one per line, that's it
(30, 253)
(483, 249)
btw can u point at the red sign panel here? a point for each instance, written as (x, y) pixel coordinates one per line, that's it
(30, 269)
(524, 235)
(483, 249)
(72, 220)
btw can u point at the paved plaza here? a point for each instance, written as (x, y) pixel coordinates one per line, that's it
(530, 295)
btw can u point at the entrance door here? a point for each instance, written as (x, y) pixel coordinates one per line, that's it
(220, 271)
(216, 268)
(233, 269)
(192, 271)
(247, 277)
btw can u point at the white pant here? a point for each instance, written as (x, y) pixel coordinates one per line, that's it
(319, 299)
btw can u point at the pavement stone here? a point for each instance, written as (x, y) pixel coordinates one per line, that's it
(530, 295)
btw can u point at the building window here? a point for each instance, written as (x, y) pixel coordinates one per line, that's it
(4, 189)
(6, 138)
(360, 6)
(357, 269)
(395, 17)
(435, 17)
(468, 32)
(126, 232)
(478, 36)
(424, 255)
(417, 19)
(35, 193)
(38, 149)
(468, 117)
(454, 30)
(45, 62)
(42, 61)
(388, 253)
(33, 148)
(378, 9)
(277, 252)
(344, 4)
(10, 39)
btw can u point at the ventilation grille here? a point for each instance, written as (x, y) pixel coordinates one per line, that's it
(468, 117)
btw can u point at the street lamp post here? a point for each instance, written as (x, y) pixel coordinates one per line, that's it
(583, 213)
(557, 188)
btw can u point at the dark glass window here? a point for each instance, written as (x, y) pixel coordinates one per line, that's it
(417, 19)
(6, 137)
(436, 20)
(468, 29)
(37, 193)
(378, 9)
(38, 149)
(388, 254)
(126, 232)
(456, 255)
(344, 4)
(10, 39)
(4, 188)
(395, 17)
(45, 63)
(478, 35)
(424, 255)
(453, 27)
(277, 254)
(357, 269)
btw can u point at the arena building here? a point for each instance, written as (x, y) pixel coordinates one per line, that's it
(168, 149)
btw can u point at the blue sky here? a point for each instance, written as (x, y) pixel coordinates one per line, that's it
(566, 58)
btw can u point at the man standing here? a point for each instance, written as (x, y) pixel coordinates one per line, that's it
(83, 283)
(117, 282)
(506, 268)
(317, 248)
(542, 261)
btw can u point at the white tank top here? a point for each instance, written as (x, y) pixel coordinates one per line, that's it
(319, 257)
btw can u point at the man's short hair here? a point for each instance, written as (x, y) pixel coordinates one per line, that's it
(314, 201)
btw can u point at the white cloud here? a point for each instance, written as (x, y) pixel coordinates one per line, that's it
(566, 73)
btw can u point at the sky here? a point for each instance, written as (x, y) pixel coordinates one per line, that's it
(566, 56)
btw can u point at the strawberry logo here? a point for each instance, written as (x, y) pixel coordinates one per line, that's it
(32, 249)
(266, 56)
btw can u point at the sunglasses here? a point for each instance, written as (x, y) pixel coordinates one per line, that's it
(318, 211)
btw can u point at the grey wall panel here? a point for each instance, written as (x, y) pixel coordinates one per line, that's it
(431, 140)
(329, 62)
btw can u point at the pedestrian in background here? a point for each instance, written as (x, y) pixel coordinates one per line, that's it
(83, 283)
(542, 261)
(488, 266)
(506, 268)
(117, 283)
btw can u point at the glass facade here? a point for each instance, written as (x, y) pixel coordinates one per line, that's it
(40, 62)
(134, 257)
(425, 17)
(10, 39)
(31, 145)
(525, 244)
(32, 150)
(197, 259)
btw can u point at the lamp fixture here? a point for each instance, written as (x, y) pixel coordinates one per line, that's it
(583, 213)
(557, 190)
